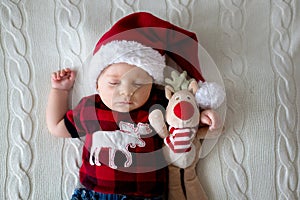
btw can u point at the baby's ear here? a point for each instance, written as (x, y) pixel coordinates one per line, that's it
(193, 86)
(169, 91)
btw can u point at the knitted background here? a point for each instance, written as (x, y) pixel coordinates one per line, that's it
(255, 45)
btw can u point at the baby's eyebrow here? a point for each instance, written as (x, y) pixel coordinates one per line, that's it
(112, 76)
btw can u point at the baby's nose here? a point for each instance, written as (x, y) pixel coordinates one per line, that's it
(127, 90)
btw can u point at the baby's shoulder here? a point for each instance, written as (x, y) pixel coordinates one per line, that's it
(90, 100)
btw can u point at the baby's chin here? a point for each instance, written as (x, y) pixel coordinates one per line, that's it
(123, 107)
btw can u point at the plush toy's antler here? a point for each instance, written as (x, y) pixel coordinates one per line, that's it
(179, 81)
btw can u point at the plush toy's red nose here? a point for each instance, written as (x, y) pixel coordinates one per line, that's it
(184, 110)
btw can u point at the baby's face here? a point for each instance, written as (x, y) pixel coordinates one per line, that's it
(123, 87)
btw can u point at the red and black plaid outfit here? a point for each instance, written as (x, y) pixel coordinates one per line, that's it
(146, 176)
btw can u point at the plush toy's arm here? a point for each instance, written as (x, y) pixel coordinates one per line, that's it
(157, 121)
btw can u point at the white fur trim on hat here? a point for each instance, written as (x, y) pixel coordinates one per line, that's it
(209, 95)
(130, 52)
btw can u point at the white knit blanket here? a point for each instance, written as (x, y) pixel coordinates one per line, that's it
(254, 44)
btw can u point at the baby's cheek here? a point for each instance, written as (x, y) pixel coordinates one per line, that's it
(107, 95)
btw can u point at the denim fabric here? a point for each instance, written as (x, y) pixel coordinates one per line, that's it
(85, 194)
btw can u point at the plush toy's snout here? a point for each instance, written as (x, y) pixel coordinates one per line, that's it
(184, 110)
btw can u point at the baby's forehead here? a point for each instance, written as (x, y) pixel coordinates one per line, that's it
(123, 68)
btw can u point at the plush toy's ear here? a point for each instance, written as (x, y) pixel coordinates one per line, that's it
(169, 91)
(193, 86)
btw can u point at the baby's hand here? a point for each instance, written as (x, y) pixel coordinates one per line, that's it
(63, 79)
(210, 118)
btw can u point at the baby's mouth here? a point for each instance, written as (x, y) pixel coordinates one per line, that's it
(125, 102)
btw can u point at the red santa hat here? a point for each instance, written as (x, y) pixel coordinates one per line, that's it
(144, 40)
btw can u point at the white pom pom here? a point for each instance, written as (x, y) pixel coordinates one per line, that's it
(210, 95)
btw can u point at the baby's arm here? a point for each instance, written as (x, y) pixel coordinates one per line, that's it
(61, 81)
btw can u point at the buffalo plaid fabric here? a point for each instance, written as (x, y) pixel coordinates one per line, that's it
(147, 174)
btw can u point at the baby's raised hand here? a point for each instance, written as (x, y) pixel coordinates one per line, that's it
(63, 79)
(210, 118)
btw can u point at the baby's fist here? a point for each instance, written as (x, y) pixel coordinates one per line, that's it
(63, 79)
(210, 118)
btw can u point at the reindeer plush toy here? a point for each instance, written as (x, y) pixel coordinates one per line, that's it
(182, 138)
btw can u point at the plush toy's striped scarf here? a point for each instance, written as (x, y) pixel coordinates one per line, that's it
(180, 139)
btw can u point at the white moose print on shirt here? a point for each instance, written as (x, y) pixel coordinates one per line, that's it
(128, 135)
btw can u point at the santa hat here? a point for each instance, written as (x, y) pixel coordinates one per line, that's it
(143, 40)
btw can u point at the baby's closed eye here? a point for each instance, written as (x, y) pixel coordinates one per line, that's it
(141, 82)
(113, 83)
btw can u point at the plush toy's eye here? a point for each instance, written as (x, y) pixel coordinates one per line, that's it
(188, 97)
(177, 98)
